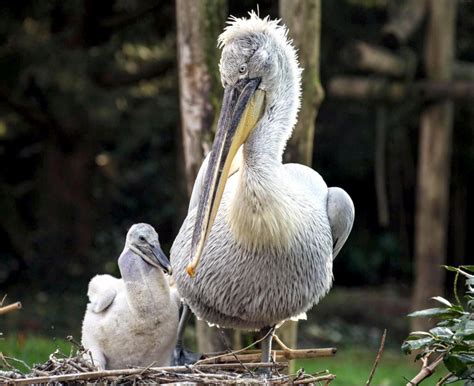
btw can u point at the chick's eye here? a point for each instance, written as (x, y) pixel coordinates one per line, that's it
(243, 68)
(141, 238)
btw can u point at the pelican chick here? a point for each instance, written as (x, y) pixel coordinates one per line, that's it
(133, 321)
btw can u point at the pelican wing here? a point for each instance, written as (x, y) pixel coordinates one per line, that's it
(198, 184)
(341, 217)
(102, 291)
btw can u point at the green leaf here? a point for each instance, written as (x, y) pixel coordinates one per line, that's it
(415, 334)
(451, 379)
(409, 345)
(467, 334)
(461, 347)
(449, 323)
(457, 308)
(442, 300)
(436, 313)
(469, 268)
(470, 304)
(442, 333)
(454, 364)
(450, 268)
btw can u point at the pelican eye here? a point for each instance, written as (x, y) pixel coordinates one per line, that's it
(141, 238)
(243, 68)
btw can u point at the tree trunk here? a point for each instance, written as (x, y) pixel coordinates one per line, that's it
(434, 163)
(380, 166)
(198, 25)
(303, 19)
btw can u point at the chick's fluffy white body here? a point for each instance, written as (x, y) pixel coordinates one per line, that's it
(131, 323)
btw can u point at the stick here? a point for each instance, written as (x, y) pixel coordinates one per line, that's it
(291, 353)
(377, 358)
(122, 372)
(329, 377)
(444, 379)
(380, 89)
(403, 22)
(426, 371)
(280, 355)
(218, 355)
(10, 308)
(366, 57)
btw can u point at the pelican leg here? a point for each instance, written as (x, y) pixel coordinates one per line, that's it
(266, 347)
(181, 356)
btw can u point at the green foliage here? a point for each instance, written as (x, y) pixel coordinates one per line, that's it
(453, 336)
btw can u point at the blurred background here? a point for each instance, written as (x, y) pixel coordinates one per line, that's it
(93, 139)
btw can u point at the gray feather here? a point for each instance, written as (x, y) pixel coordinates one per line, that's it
(341, 217)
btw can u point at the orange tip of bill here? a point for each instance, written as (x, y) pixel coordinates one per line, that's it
(190, 270)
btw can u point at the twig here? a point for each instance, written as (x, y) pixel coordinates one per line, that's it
(235, 352)
(455, 286)
(329, 377)
(442, 380)
(10, 308)
(71, 339)
(124, 372)
(426, 371)
(6, 359)
(377, 358)
(290, 353)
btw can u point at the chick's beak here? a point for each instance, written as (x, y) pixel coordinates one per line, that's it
(154, 255)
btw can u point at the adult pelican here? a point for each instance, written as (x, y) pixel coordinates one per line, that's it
(264, 233)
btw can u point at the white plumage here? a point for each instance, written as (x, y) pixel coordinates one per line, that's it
(263, 233)
(133, 321)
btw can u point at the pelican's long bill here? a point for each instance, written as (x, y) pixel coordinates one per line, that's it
(242, 107)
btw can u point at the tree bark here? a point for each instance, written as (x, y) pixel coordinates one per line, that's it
(303, 19)
(198, 25)
(380, 166)
(431, 216)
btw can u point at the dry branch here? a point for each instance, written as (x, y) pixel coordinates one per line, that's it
(62, 369)
(362, 88)
(403, 22)
(10, 308)
(164, 371)
(377, 358)
(426, 371)
(277, 355)
(366, 57)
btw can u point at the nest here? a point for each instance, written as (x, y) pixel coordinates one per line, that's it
(224, 368)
